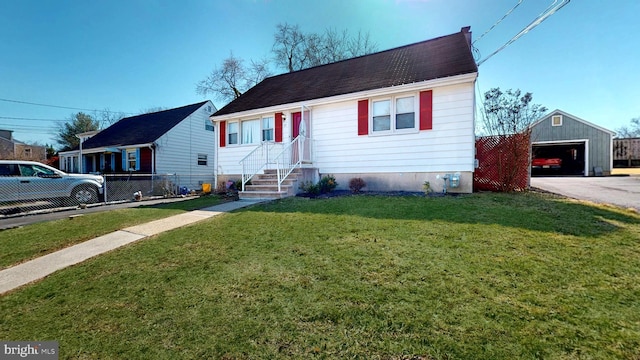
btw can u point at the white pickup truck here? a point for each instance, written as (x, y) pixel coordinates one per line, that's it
(22, 181)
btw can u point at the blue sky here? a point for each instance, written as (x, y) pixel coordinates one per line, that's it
(134, 55)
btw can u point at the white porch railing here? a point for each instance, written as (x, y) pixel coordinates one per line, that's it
(289, 158)
(257, 160)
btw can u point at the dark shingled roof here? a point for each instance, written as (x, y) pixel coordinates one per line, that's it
(140, 129)
(432, 59)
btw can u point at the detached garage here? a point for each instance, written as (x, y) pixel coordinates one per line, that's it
(564, 144)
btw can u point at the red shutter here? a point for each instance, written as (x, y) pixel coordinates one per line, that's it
(223, 133)
(278, 129)
(363, 117)
(426, 110)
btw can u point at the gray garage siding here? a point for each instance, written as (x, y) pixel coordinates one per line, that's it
(574, 128)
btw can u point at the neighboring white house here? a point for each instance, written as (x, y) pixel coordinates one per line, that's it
(175, 141)
(395, 118)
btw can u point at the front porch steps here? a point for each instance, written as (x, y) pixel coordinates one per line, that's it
(265, 186)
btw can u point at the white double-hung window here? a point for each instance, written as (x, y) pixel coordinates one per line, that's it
(250, 131)
(268, 124)
(397, 114)
(232, 133)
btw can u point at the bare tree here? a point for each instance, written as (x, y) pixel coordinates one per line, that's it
(361, 44)
(107, 118)
(508, 117)
(233, 78)
(258, 70)
(631, 131)
(224, 83)
(509, 112)
(295, 50)
(289, 47)
(335, 45)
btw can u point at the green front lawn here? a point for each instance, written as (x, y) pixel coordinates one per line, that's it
(29, 242)
(486, 276)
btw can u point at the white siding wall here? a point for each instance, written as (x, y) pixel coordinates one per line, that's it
(448, 147)
(337, 149)
(177, 150)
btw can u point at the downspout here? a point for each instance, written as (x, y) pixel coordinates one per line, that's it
(80, 157)
(153, 158)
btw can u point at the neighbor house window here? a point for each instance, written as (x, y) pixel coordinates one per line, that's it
(250, 131)
(202, 159)
(556, 120)
(27, 153)
(208, 125)
(131, 159)
(390, 115)
(232, 133)
(267, 128)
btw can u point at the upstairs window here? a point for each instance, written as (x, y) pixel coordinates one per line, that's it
(208, 126)
(556, 120)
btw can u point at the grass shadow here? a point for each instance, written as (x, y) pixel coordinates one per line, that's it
(531, 211)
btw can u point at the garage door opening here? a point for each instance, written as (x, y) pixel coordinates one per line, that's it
(566, 159)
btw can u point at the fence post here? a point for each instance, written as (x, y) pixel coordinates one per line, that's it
(105, 189)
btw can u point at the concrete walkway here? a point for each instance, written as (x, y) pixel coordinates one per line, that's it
(30, 271)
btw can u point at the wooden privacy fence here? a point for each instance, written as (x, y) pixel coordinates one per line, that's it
(503, 163)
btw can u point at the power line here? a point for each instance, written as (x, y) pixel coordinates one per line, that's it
(25, 127)
(60, 107)
(542, 17)
(30, 119)
(499, 21)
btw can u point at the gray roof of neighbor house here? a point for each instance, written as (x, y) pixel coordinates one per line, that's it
(431, 59)
(140, 129)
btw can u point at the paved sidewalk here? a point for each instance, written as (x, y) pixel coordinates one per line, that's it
(25, 273)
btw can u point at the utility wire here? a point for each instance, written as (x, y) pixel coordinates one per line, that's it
(542, 17)
(499, 21)
(30, 119)
(59, 107)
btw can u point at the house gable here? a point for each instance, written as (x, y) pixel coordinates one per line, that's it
(571, 127)
(141, 129)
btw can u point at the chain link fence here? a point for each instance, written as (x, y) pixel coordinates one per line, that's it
(38, 194)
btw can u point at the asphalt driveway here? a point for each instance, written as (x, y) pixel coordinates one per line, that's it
(622, 191)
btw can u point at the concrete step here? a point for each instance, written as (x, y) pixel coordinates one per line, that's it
(263, 194)
(273, 171)
(271, 182)
(267, 187)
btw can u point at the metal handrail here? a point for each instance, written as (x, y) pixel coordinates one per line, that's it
(287, 160)
(256, 160)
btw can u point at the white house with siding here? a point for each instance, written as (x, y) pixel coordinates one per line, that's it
(175, 141)
(395, 118)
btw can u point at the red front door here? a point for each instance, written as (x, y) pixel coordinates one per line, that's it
(297, 119)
